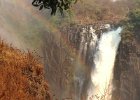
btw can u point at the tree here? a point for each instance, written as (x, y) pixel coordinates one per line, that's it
(53, 5)
(131, 25)
(134, 18)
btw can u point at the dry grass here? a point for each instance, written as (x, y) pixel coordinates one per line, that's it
(91, 11)
(21, 76)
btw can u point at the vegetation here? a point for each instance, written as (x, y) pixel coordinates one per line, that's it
(131, 25)
(134, 18)
(21, 76)
(53, 5)
(92, 11)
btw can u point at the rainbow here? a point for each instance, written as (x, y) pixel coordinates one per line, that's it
(28, 9)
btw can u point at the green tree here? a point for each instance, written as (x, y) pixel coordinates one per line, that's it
(131, 25)
(53, 5)
(134, 18)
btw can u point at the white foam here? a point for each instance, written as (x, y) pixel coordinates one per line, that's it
(101, 76)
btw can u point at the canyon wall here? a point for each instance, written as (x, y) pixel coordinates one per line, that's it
(127, 72)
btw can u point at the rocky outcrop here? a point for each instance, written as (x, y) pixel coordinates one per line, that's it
(127, 72)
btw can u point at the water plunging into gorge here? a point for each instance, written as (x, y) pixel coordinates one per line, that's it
(101, 51)
(102, 71)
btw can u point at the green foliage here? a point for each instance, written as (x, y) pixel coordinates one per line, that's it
(134, 18)
(131, 25)
(53, 5)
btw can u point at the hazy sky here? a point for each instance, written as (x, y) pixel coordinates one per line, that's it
(20, 23)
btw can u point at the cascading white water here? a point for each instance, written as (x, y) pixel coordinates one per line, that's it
(102, 73)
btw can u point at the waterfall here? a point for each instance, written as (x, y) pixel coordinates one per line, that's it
(87, 43)
(102, 71)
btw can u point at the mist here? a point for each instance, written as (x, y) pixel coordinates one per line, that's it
(23, 25)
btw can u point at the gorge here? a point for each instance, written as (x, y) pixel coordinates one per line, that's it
(91, 54)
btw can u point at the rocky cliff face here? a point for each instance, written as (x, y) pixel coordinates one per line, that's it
(127, 72)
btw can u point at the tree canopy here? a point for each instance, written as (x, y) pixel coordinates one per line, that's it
(131, 25)
(134, 18)
(53, 5)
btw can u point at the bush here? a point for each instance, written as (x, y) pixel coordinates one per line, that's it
(134, 18)
(21, 76)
